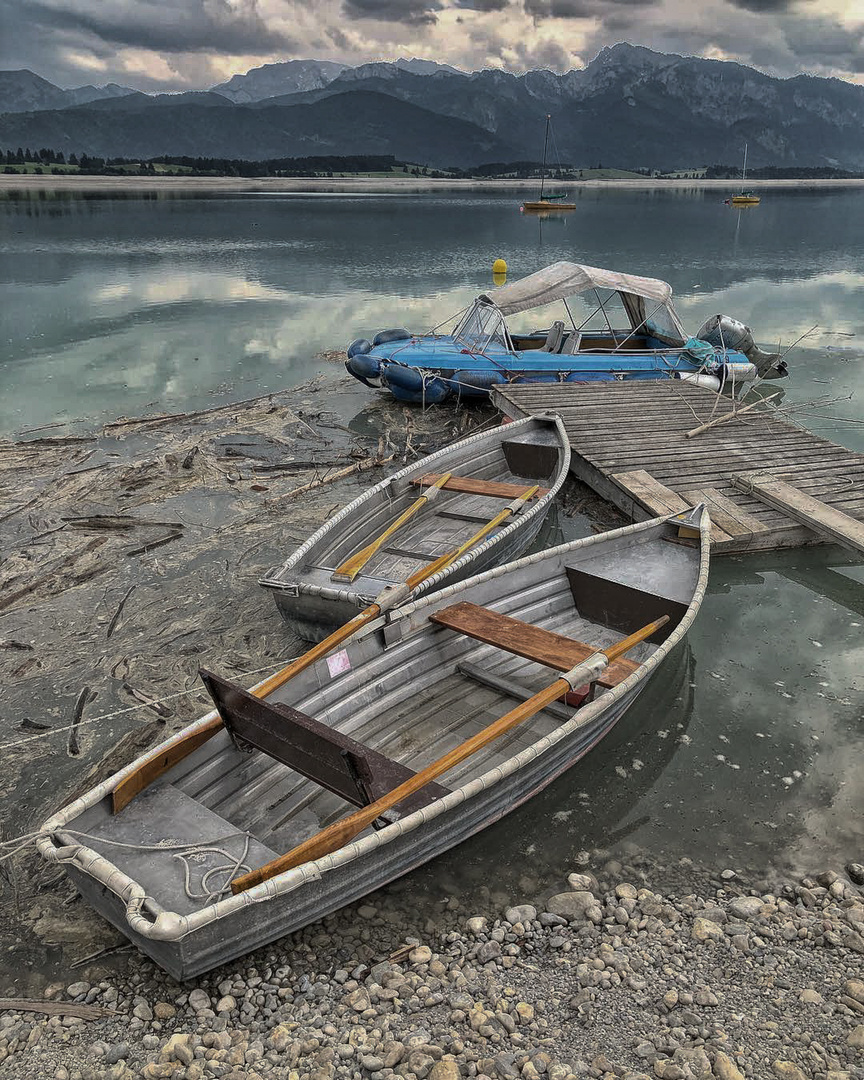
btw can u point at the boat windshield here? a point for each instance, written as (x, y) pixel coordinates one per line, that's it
(661, 324)
(480, 327)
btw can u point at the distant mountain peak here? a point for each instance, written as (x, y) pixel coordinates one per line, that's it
(277, 79)
(624, 52)
(24, 91)
(424, 67)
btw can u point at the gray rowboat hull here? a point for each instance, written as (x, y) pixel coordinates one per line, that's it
(314, 605)
(313, 617)
(248, 929)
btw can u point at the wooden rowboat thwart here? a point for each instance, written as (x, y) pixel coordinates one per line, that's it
(383, 537)
(433, 722)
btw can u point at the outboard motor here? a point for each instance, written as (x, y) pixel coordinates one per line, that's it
(723, 331)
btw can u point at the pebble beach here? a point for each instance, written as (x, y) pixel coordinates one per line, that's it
(607, 979)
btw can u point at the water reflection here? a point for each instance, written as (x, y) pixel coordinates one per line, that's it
(243, 289)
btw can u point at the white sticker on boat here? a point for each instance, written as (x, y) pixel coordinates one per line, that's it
(338, 663)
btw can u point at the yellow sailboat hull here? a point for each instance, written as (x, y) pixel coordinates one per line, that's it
(546, 205)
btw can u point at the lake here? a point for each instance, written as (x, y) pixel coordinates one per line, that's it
(746, 754)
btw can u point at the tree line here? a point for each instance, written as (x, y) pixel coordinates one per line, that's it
(780, 172)
(56, 161)
(47, 157)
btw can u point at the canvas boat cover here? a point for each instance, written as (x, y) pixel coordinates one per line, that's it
(563, 279)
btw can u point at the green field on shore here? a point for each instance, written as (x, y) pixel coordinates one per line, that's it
(397, 170)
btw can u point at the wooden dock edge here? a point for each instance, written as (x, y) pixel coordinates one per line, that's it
(815, 514)
(659, 499)
(747, 534)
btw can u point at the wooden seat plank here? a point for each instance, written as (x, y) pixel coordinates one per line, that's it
(466, 484)
(521, 638)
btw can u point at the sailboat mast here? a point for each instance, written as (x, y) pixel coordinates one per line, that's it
(744, 170)
(545, 146)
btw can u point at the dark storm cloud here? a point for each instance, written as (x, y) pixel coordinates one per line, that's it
(483, 5)
(761, 6)
(825, 42)
(579, 9)
(212, 26)
(410, 12)
(559, 9)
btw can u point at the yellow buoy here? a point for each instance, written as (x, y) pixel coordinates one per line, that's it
(499, 267)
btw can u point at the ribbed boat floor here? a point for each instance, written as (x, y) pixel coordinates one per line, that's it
(281, 808)
(628, 444)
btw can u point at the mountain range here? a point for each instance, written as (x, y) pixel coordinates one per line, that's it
(22, 91)
(629, 108)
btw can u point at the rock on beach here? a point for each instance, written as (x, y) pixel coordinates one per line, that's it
(613, 981)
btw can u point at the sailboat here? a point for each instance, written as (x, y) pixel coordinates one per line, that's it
(744, 197)
(548, 201)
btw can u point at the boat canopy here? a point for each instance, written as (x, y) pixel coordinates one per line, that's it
(563, 279)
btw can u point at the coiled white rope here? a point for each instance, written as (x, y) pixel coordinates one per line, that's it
(190, 850)
(210, 896)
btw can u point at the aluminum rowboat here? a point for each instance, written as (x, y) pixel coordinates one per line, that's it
(500, 464)
(413, 685)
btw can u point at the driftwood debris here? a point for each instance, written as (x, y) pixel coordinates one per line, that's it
(116, 617)
(728, 416)
(116, 521)
(78, 609)
(84, 698)
(54, 574)
(157, 706)
(56, 1008)
(369, 463)
(151, 544)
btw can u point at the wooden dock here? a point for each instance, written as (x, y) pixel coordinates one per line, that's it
(768, 484)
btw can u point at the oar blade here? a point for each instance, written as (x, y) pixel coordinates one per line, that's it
(441, 563)
(352, 566)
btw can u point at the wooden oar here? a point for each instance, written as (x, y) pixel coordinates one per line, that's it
(342, 832)
(452, 556)
(352, 567)
(153, 768)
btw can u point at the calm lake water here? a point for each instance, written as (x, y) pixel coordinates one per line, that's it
(747, 752)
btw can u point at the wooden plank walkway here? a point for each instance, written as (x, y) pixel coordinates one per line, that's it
(629, 444)
(815, 513)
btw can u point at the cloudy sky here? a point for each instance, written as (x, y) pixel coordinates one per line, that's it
(191, 44)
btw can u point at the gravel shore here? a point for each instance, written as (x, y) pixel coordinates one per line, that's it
(608, 979)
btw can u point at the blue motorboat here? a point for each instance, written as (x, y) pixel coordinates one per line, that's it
(482, 351)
